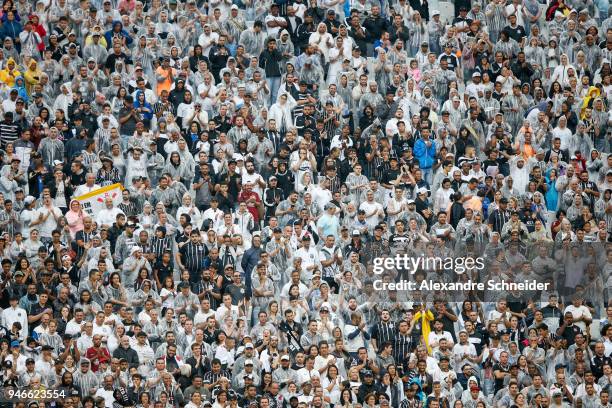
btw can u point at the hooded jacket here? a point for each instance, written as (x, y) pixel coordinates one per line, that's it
(121, 34)
(7, 76)
(20, 86)
(32, 75)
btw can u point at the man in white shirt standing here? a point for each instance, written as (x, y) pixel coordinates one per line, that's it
(207, 39)
(310, 258)
(581, 313)
(107, 216)
(15, 314)
(89, 186)
(106, 392)
(47, 217)
(146, 355)
(274, 22)
(374, 211)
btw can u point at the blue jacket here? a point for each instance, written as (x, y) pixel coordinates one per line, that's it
(425, 155)
(122, 33)
(11, 29)
(250, 259)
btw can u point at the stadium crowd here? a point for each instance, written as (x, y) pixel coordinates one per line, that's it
(269, 152)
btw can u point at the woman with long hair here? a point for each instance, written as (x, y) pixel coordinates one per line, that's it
(113, 341)
(9, 154)
(347, 398)
(144, 400)
(90, 308)
(274, 315)
(331, 382)
(107, 174)
(419, 33)
(67, 385)
(118, 101)
(168, 293)
(70, 365)
(119, 161)
(64, 317)
(117, 294)
(145, 291)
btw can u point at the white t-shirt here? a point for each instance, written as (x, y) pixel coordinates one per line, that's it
(369, 208)
(435, 338)
(50, 223)
(253, 179)
(207, 41)
(273, 31)
(169, 302)
(577, 313)
(108, 216)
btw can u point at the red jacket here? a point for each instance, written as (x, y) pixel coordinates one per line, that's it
(97, 356)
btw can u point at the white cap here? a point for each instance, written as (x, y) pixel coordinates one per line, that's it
(435, 13)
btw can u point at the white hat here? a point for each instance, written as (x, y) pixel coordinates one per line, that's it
(435, 13)
(135, 249)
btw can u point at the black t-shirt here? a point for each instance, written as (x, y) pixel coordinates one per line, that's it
(478, 340)
(233, 182)
(517, 33)
(37, 309)
(113, 58)
(128, 127)
(452, 60)
(210, 337)
(516, 304)
(389, 175)
(569, 333)
(499, 382)
(448, 324)
(236, 292)
(163, 271)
